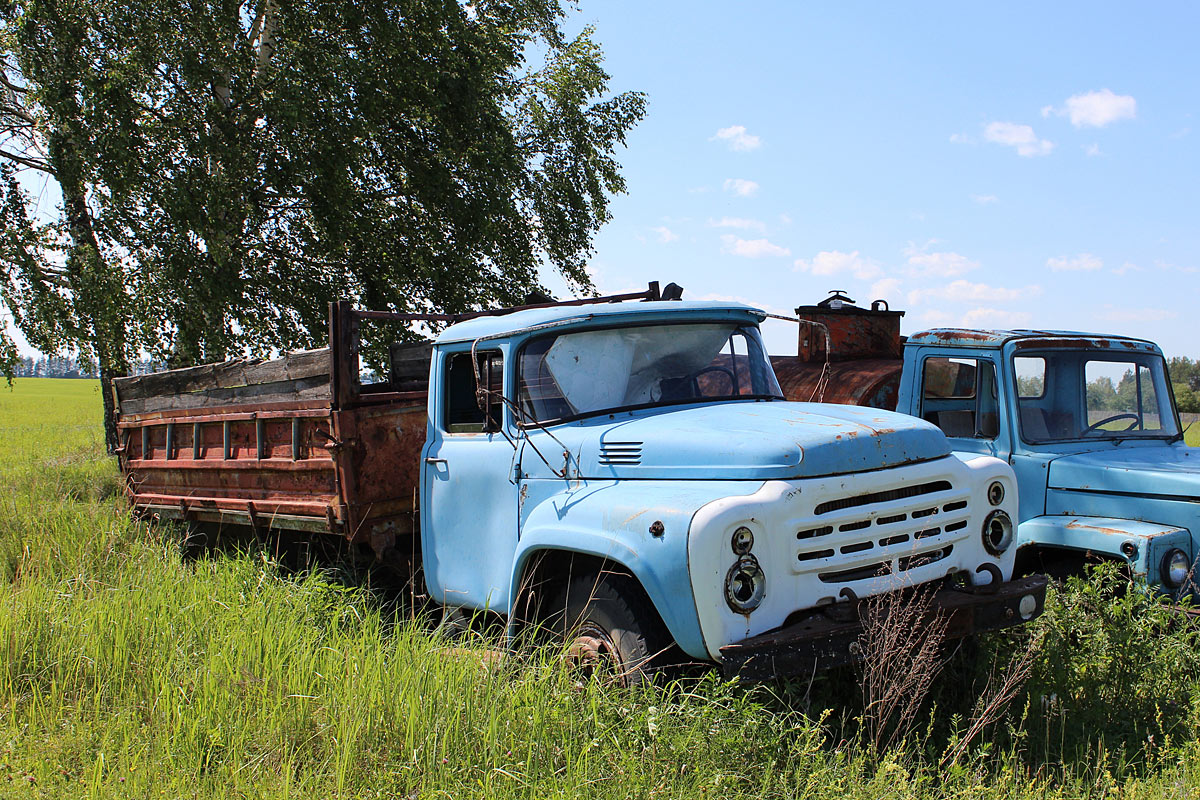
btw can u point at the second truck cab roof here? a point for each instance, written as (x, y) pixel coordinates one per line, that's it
(1023, 338)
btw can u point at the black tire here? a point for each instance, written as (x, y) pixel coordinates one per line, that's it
(610, 628)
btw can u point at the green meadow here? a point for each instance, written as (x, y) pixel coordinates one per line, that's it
(130, 668)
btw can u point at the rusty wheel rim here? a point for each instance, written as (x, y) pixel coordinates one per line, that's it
(593, 654)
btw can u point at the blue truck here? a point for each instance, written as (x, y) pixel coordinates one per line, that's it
(1087, 421)
(628, 473)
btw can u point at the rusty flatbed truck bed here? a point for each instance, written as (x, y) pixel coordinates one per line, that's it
(293, 443)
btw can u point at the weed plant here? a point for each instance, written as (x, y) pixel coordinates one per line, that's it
(127, 670)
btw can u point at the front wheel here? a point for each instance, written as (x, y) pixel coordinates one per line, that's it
(610, 629)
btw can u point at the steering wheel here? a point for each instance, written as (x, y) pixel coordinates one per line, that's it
(695, 377)
(1095, 426)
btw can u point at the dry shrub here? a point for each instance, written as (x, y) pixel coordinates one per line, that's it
(1002, 687)
(901, 650)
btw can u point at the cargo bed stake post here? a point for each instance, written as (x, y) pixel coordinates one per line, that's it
(260, 444)
(343, 352)
(226, 434)
(145, 441)
(295, 438)
(170, 442)
(195, 441)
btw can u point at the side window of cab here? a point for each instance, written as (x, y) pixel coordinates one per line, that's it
(462, 411)
(959, 395)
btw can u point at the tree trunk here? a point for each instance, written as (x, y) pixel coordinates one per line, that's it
(111, 440)
(95, 285)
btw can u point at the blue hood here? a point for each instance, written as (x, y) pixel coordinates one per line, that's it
(749, 441)
(1166, 471)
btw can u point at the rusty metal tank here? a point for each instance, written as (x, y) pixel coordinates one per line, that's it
(865, 354)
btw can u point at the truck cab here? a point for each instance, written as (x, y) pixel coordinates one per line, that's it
(1088, 423)
(645, 454)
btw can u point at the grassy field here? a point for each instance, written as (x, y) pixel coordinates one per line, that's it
(127, 670)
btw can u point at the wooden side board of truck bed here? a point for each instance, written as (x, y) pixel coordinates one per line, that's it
(288, 443)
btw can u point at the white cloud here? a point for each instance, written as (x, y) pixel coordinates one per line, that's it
(1084, 262)
(665, 234)
(985, 199)
(1021, 137)
(1091, 150)
(752, 248)
(1169, 267)
(979, 317)
(1097, 109)
(1119, 314)
(885, 288)
(835, 262)
(1128, 266)
(961, 138)
(737, 138)
(740, 223)
(784, 219)
(962, 291)
(936, 317)
(740, 186)
(941, 265)
(995, 317)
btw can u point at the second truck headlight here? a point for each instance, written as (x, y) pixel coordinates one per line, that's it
(997, 532)
(745, 585)
(1175, 568)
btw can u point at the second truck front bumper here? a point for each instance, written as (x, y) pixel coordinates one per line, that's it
(833, 636)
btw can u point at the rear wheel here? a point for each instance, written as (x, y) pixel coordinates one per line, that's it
(610, 628)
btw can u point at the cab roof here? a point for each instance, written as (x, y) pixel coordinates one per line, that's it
(554, 316)
(1029, 339)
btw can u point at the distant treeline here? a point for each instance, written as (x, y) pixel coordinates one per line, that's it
(71, 367)
(1104, 393)
(1185, 380)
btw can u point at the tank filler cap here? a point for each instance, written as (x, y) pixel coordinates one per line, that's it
(837, 299)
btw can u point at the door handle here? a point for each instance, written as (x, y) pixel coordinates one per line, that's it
(435, 461)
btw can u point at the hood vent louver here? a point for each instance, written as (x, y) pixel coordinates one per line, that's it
(613, 454)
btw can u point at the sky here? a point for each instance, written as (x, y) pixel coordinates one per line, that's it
(983, 165)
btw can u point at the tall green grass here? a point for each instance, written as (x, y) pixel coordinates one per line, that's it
(127, 670)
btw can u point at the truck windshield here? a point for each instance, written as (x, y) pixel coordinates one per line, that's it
(1085, 395)
(572, 375)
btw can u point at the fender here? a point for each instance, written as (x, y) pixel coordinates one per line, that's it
(1142, 545)
(614, 520)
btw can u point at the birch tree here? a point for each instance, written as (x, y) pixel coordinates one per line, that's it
(228, 167)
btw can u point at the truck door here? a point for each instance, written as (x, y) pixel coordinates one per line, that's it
(468, 497)
(960, 395)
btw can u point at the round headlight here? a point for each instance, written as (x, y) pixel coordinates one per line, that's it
(1175, 568)
(995, 493)
(745, 585)
(997, 532)
(742, 541)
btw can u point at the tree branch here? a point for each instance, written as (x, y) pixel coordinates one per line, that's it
(32, 163)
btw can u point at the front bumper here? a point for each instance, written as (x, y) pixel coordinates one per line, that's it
(821, 641)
